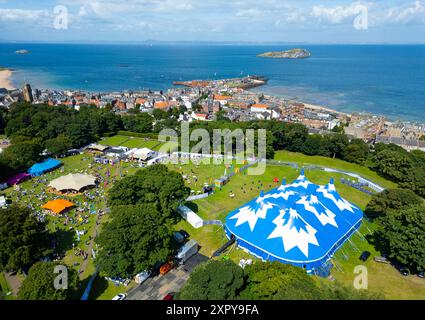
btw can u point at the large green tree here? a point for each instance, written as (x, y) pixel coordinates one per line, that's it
(277, 281)
(357, 151)
(155, 185)
(58, 146)
(403, 235)
(391, 199)
(142, 122)
(39, 284)
(22, 155)
(23, 239)
(214, 280)
(136, 239)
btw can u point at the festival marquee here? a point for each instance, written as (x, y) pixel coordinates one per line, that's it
(302, 224)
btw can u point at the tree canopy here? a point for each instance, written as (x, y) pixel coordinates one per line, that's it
(155, 185)
(39, 284)
(395, 199)
(137, 237)
(403, 236)
(224, 280)
(214, 280)
(24, 239)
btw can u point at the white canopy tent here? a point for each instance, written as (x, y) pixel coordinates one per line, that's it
(71, 181)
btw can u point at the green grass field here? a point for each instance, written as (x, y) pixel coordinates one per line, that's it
(131, 142)
(302, 159)
(382, 278)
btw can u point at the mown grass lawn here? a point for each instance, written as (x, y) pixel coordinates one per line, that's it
(131, 142)
(333, 163)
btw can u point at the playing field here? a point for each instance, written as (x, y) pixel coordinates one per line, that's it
(131, 142)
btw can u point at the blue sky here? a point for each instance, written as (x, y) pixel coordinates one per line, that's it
(310, 21)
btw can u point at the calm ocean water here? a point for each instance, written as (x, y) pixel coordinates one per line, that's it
(387, 80)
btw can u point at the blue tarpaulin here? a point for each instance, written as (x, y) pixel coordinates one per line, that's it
(301, 223)
(43, 167)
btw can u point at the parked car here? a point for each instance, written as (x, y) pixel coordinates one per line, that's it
(184, 234)
(120, 296)
(381, 260)
(178, 237)
(142, 276)
(166, 267)
(364, 256)
(169, 296)
(421, 274)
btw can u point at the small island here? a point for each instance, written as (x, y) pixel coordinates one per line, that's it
(289, 54)
(22, 51)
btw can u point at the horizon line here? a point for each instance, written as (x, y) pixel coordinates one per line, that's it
(212, 42)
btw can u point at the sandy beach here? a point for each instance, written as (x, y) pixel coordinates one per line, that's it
(5, 75)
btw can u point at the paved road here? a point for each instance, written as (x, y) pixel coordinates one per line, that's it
(158, 287)
(13, 281)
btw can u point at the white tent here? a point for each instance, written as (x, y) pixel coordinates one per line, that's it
(190, 217)
(73, 182)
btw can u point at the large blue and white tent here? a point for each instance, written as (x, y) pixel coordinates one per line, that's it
(301, 223)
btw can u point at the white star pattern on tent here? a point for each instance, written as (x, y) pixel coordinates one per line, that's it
(285, 195)
(251, 214)
(294, 231)
(301, 181)
(342, 204)
(325, 217)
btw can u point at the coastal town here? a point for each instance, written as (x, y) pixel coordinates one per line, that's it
(204, 100)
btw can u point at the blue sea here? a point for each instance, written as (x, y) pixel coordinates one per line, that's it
(380, 79)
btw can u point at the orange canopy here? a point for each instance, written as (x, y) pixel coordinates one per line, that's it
(57, 206)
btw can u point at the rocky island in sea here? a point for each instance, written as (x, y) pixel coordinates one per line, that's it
(289, 54)
(22, 51)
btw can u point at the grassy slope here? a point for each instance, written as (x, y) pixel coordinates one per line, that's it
(333, 163)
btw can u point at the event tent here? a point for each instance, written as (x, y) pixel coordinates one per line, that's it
(18, 178)
(301, 223)
(40, 168)
(75, 182)
(58, 206)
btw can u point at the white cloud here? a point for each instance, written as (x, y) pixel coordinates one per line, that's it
(338, 14)
(249, 13)
(414, 12)
(19, 15)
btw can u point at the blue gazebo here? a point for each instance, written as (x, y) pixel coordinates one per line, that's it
(46, 166)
